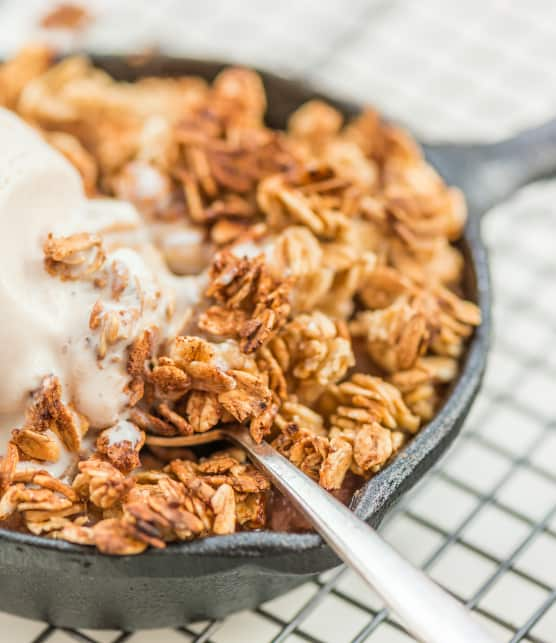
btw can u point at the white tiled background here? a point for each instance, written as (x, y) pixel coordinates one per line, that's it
(484, 523)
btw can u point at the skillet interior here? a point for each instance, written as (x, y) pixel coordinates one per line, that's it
(262, 564)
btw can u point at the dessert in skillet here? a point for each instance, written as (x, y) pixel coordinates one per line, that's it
(170, 264)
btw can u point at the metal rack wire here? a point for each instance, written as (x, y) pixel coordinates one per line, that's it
(483, 524)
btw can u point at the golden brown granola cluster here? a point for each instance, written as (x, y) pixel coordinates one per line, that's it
(334, 340)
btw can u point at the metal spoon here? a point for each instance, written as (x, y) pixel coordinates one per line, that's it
(430, 613)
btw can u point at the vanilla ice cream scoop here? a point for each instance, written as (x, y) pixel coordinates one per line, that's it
(46, 326)
(40, 192)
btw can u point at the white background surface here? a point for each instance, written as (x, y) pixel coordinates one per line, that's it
(484, 523)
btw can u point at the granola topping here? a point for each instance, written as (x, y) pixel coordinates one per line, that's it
(194, 268)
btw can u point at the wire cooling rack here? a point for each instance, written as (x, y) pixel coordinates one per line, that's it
(482, 524)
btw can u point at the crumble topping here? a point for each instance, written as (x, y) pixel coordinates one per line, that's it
(251, 304)
(304, 283)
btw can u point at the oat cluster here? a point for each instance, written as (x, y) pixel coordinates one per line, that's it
(331, 324)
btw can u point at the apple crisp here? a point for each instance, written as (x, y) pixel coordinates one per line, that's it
(327, 313)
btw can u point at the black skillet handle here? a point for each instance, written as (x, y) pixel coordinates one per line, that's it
(490, 173)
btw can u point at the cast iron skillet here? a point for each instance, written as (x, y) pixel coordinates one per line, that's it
(73, 586)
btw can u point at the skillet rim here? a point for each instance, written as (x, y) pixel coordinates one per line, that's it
(373, 500)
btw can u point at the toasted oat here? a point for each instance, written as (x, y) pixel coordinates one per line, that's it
(121, 445)
(75, 533)
(305, 449)
(249, 398)
(284, 204)
(383, 286)
(170, 381)
(260, 425)
(112, 536)
(15, 74)
(421, 385)
(8, 465)
(251, 510)
(101, 483)
(162, 514)
(51, 524)
(316, 121)
(75, 257)
(219, 391)
(326, 275)
(251, 304)
(364, 399)
(395, 336)
(372, 446)
(313, 351)
(336, 464)
(182, 425)
(223, 504)
(292, 412)
(241, 90)
(47, 481)
(21, 498)
(37, 445)
(414, 320)
(203, 411)
(139, 353)
(197, 358)
(48, 412)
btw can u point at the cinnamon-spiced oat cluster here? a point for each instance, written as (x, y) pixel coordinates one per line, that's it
(331, 318)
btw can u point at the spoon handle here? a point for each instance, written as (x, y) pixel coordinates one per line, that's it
(430, 613)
